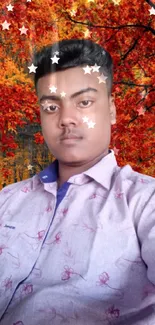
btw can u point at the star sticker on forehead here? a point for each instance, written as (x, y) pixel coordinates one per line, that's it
(95, 68)
(63, 94)
(102, 78)
(53, 89)
(87, 69)
(32, 68)
(55, 59)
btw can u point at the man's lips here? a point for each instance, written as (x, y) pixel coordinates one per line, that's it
(73, 137)
(70, 139)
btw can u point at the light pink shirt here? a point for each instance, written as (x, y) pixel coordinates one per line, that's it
(80, 255)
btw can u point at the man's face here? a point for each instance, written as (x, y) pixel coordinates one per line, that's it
(88, 115)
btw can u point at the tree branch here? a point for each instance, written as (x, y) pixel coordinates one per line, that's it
(130, 84)
(131, 48)
(88, 23)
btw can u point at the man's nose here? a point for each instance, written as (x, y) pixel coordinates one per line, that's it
(69, 115)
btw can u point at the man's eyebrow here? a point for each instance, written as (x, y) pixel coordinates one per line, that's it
(55, 97)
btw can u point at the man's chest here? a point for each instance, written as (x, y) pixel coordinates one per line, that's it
(83, 250)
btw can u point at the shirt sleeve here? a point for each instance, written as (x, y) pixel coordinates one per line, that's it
(146, 229)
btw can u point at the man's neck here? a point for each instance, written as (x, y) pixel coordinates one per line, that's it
(65, 171)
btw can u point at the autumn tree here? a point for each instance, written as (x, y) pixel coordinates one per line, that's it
(124, 28)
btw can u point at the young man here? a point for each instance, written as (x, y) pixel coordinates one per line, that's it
(77, 240)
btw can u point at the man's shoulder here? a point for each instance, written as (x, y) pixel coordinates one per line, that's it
(15, 185)
(130, 175)
(13, 189)
(138, 187)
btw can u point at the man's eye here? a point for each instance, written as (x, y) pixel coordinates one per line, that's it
(85, 102)
(49, 108)
(52, 108)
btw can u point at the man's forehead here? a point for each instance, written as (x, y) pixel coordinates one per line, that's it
(70, 81)
(62, 76)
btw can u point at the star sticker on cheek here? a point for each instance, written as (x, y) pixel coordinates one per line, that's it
(63, 94)
(85, 119)
(91, 125)
(87, 69)
(55, 59)
(102, 78)
(53, 89)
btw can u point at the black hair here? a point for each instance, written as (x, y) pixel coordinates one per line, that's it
(73, 53)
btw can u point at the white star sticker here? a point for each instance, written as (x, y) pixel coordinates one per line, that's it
(32, 68)
(29, 167)
(87, 33)
(102, 78)
(91, 125)
(63, 94)
(10, 7)
(5, 25)
(85, 119)
(96, 68)
(55, 59)
(53, 89)
(44, 104)
(152, 11)
(73, 12)
(23, 30)
(87, 69)
(116, 2)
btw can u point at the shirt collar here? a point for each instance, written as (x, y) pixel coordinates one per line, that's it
(101, 172)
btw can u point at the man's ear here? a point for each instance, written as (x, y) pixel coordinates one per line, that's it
(112, 110)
